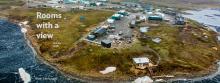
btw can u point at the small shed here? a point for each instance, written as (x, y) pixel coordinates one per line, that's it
(116, 17)
(93, 4)
(110, 21)
(99, 3)
(123, 12)
(91, 37)
(141, 62)
(103, 0)
(133, 24)
(106, 43)
(112, 27)
(156, 40)
(144, 29)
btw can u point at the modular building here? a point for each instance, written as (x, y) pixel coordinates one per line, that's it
(141, 62)
(116, 17)
(144, 29)
(69, 1)
(110, 21)
(106, 43)
(155, 18)
(93, 4)
(100, 32)
(133, 24)
(91, 37)
(123, 12)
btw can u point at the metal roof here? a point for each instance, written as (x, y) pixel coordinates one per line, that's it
(141, 60)
(156, 40)
(107, 41)
(100, 30)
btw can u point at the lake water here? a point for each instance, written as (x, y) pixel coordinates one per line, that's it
(209, 17)
(15, 53)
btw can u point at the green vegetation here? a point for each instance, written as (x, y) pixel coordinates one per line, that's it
(71, 28)
(183, 51)
(5, 4)
(92, 59)
(11, 2)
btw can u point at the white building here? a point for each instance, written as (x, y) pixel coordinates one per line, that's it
(156, 40)
(144, 29)
(53, 1)
(110, 21)
(141, 62)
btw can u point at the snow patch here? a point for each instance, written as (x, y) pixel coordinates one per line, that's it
(24, 75)
(23, 30)
(108, 70)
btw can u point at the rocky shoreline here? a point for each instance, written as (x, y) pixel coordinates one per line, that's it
(31, 42)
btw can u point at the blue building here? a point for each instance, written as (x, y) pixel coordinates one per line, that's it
(68, 1)
(155, 18)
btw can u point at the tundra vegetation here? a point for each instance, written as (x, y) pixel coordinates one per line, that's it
(182, 51)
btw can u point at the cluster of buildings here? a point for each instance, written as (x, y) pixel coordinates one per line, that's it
(108, 27)
(160, 15)
(117, 16)
(149, 14)
(77, 1)
(62, 3)
(153, 14)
